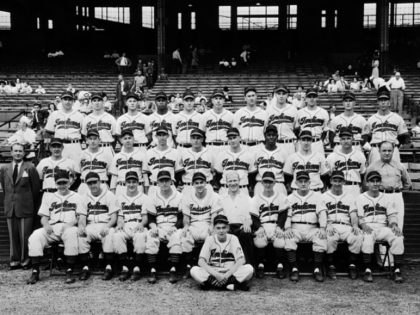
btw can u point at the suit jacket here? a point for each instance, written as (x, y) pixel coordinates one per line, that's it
(126, 89)
(20, 198)
(42, 118)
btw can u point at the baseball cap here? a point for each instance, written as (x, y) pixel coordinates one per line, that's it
(302, 175)
(345, 132)
(384, 94)
(92, 177)
(373, 174)
(281, 88)
(162, 129)
(188, 94)
(61, 176)
(96, 95)
(337, 174)
(271, 128)
(249, 89)
(56, 141)
(312, 91)
(349, 95)
(67, 94)
(196, 132)
(199, 176)
(92, 132)
(161, 94)
(127, 131)
(164, 175)
(131, 175)
(217, 92)
(220, 218)
(132, 95)
(305, 134)
(232, 132)
(268, 176)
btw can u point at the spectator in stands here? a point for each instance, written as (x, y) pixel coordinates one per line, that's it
(26, 88)
(2, 87)
(233, 63)
(366, 85)
(40, 89)
(178, 98)
(416, 131)
(163, 75)
(201, 109)
(70, 88)
(115, 55)
(85, 105)
(355, 85)
(228, 98)
(332, 87)
(121, 91)
(176, 61)
(336, 75)
(123, 64)
(13, 89)
(51, 108)
(200, 96)
(245, 57)
(107, 103)
(224, 64)
(139, 81)
(24, 135)
(149, 75)
(39, 117)
(298, 101)
(139, 64)
(397, 86)
(18, 84)
(342, 84)
(138, 92)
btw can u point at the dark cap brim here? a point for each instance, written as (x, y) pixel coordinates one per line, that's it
(218, 94)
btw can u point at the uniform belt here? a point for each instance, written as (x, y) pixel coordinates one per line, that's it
(316, 139)
(70, 141)
(308, 223)
(56, 222)
(276, 181)
(105, 144)
(50, 190)
(139, 145)
(347, 182)
(251, 143)
(390, 190)
(342, 223)
(102, 181)
(184, 145)
(286, 141)
(134, 220)
(240, 186)
(217, 143)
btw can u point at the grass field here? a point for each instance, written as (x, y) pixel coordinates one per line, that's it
(267, 296)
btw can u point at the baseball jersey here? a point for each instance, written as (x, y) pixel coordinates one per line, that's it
(65, 125)
(48, 167)
(250, 124)
(313, 163)
(338, 207)
(193, 162)
(157, 160)
(216, 125)
(242, 162)
(270, 161)
(167, 120)
(268, 208)
(133, 208)
(98, 162)
(62, 209)
(166, 210)
(356, 123)
(201, 210)
(127, 161)
(379, 210)
(139, 124)
(352, 164)
(284, 119)
(386, 127)
(99, 208)
(305, 209)
(184, 123)
(315, 120)
(104, 123)
(221, 256)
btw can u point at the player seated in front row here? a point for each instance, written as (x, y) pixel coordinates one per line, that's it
(221, 264)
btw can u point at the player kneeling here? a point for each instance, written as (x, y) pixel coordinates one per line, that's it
(379, 222)
(132, 220)
(100, 217)
(271, 208)
(221, 264)
(342, 223)
(58, 214)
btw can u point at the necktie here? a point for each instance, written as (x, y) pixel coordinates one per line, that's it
(15, 173)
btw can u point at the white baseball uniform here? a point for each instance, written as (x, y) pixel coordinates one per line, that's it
(184, 123)
(270, 161)
(250, 123)
(139, 124)
(316, 122)
(167, 120)
(48, 167)
(105, 124)
(216, 126)
(356, 123)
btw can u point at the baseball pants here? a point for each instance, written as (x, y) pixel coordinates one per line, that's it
(375, 156)
(382, 233)
(261, 241)
(306, 233)
(397, 100)
(93, 231)
(398, 200)
(244, 273)
(197, 231)
(344, 233)
(73, 151)
(40, 239)
(278, 187)
(165, 233)
(120, 238)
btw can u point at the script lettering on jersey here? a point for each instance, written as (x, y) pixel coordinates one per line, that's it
(310, 122)
(338, 207)
(347, 165)
(374, 210)
(186, 125)
(100, 125)
(354, 129)
(280, 119)
(385, 126)
(303, 208)
(156, 124)
(133, 125)
(217, 125)
(217, 258)
(131, 208)
(163, 162)
(66, 124)
(166, 211)
(49, 172)
(64, 206)
(94, 164)
(269, 163)
(96, 208)
(309, 167)
(123, 164)
(199, 211)
(191, 164)
(251, 122)
(234, 165)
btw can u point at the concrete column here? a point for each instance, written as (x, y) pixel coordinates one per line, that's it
(161, 32)
(382, 14)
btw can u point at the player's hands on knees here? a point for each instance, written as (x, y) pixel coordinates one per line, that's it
(154, 231)
(356, 230)
(219, 277)
(120, 228)
(104, 232)
(171, 230)
(260, 232)
(396, 230)
(322, 234)
(48, 228)
(278, 233)
(185, 231)
(81, 230)
(330, 230)
(289, 233)
(246, 227)
(367, 229)
(139, 228)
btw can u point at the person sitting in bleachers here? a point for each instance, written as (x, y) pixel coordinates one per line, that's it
(24, 135)
(40, 89)
(366, 85)
(355, 85)
(3, 87)
(342, 84)
(26, 88)
(107, 104)
(416, 131)
(228, 98)
(332, 87)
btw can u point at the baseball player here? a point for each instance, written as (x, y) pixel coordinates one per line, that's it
(250, 120)
(186, 121)
(342, 223)
(386, 126)
(235, 158)
(306, 222)
(165, 221)
(196, 159)
(131, 225)
(216, 122)
(351, 120)
(314, 119)
(351, 161)
(128, 159)
(283, 116)
(271, 208)
(97, 224)
(199, 210)
(378, 219)
(271, 158)
(305, 159)
(66, 125)
(102, 121)
(222, 263)
(49, 166)
(163, 157)
(162, 117)
(58, 214)
(136, 121)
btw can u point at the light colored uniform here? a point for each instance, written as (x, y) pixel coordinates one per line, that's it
(222, 256)
(48, 167)
(200, 212)
(167, 120)
(270, 161)
(182, 126)
(303, 218)
(98, 213)
(140, 126)
(353, 165)
(356, 123)
(285, 121)
(385, 128)
(68, 128)
(61, 210)
(268, 210)
(216, 126)
(166, 212)
(131, 211)
(313, 163)
(237, 209)
(378, 213)
(316, 122)
(339, 208)
(250, 124)
(105, 124)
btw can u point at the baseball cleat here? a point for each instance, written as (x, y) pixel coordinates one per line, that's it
(136, 276)
(84, 275)
(353, 272)
(125, 275)
(294, 276)
(331, 273)
(397, 276)
(187, 273)
(260, 271)
(230, 287)
(152, 277)
(172, 276)
(367, 277)
(107, 275)
(34, 278)
(69, 277)
(319, 277)
(280, 272)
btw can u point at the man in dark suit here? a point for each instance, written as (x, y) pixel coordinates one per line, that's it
(123, 87)
(40, 117)
(20, 183)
